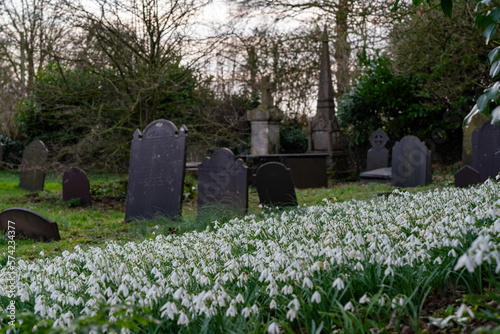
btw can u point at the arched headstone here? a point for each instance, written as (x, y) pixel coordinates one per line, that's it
(33, 166)
(378, 155)
(222, 180)
(411, 163)
(466, 176)
(156, 171)
(486, 150)
(76, 186)
(275, 185)
(28, 223)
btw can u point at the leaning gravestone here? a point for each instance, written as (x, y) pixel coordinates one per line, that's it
(76, 186)
(466, 176)
(411, 163)
(28, 223)
(486, 150)
(475, 122)
(156, 171)
(33, 166)
(378, 155)
(222, 180)
(275, 185)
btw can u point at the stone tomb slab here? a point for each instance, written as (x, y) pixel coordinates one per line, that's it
(411, 163)
(378, 155)
(33, 166)
(275, 185)
(486, 151)
(28, 223)
(223, 180)
(466, 176)
(156, 172)
(380, 175)
(76, 186)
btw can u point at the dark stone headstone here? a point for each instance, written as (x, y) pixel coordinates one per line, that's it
(76, 186)
(486, 151)
(156, 171)
(29, 224)
(33, 167)
(275, 185)
(378, 155)
(222, 180)
(466, 176)
(411, 163)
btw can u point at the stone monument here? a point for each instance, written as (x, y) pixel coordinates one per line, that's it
(265, 122)
(29, 223)
(156, 171)
(324, 131)
(411, 163)
(33, 166)
(475, 123)
(275, 185)
(76, 186)
(486, 150)
(378, 155)
(222, 180)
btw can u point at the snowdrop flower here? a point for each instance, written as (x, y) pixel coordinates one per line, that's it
(364, 299)
(307, 282)
(231, 310)
(464, 260)
(272, 304)
(338, 283)
(316, 297)
(291, 314)
(349, 307)
(246, 312)
(183, 319)
(464, 308)
(273, 328)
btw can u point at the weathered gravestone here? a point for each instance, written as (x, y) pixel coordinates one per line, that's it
(28, 223)
(466, 176)
(411, 163)
(33, 166)
(222, 180)
(378, 155)
(275, 185)
(76, 186)
(475, 122)
(156, 171)
(486, 151)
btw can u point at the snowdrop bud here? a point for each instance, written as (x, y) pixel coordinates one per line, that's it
(316, 297)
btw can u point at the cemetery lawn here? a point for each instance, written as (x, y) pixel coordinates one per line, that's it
(104, 219)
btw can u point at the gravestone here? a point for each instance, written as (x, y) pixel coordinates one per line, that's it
(156, 171)
(378, 155)
(486, 151)
(222, 180)
(1, 153)
(411, 163)
(76, 186)
(466, 176)
(475, 122)
(379, 175)
(33, 166)
(28, 223)
(275, 185)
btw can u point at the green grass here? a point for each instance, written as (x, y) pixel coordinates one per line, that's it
(104, 220)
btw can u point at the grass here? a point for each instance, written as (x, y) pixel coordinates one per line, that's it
(104, 219)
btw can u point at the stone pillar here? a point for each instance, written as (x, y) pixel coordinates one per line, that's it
(265, 122)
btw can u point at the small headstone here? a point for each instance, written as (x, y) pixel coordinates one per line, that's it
(156, 171)
(222, 180)
(76, 186)
(466, 176)
(378, 155)
(411, 163)
(275, 185)
(28, 223)
(33, 167)
(486, 151)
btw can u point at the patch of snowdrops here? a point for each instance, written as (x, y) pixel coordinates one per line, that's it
(288, 265)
